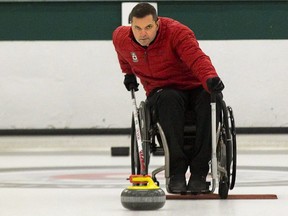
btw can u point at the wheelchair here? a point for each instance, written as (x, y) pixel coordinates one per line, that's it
(222, 173)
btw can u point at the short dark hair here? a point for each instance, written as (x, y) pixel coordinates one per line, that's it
(143, 9)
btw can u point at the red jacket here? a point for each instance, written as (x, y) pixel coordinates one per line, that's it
(173, 60)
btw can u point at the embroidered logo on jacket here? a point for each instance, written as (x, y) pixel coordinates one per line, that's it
(134, 57)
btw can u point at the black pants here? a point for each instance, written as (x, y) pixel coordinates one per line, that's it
(170, 107)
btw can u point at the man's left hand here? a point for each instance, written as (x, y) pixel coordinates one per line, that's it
(215, 85)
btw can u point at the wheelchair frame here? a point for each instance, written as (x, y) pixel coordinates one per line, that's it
(223, 155)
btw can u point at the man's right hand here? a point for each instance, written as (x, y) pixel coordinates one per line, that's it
(130, 82)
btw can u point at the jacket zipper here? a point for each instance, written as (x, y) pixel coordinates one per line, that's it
(145, 56)
(147, 61)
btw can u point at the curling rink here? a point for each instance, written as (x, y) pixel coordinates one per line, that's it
(77, 176)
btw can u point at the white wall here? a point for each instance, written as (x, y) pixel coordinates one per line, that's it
(78, 84)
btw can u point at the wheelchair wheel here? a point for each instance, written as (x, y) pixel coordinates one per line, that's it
(223, 188)
(144, 122)
(226, 152)
(222, 159)
(234, 146)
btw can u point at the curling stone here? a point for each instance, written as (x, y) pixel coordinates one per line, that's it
(144, 196)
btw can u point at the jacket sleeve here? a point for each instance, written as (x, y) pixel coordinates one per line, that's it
(190, 53)
(118, 45)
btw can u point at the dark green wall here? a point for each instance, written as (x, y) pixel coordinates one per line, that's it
(214, 20)
(231, 20)
(59, 21)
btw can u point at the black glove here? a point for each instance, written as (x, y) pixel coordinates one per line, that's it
(130, 82)
(215, 85)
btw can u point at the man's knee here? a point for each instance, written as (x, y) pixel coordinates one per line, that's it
(167, 105)
(170, 97)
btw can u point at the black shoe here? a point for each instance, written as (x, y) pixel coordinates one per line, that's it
(177, 184)
(197, 184)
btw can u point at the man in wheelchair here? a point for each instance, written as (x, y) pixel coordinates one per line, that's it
(176, 75)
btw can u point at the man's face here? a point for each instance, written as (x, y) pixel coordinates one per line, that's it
(144, 29)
